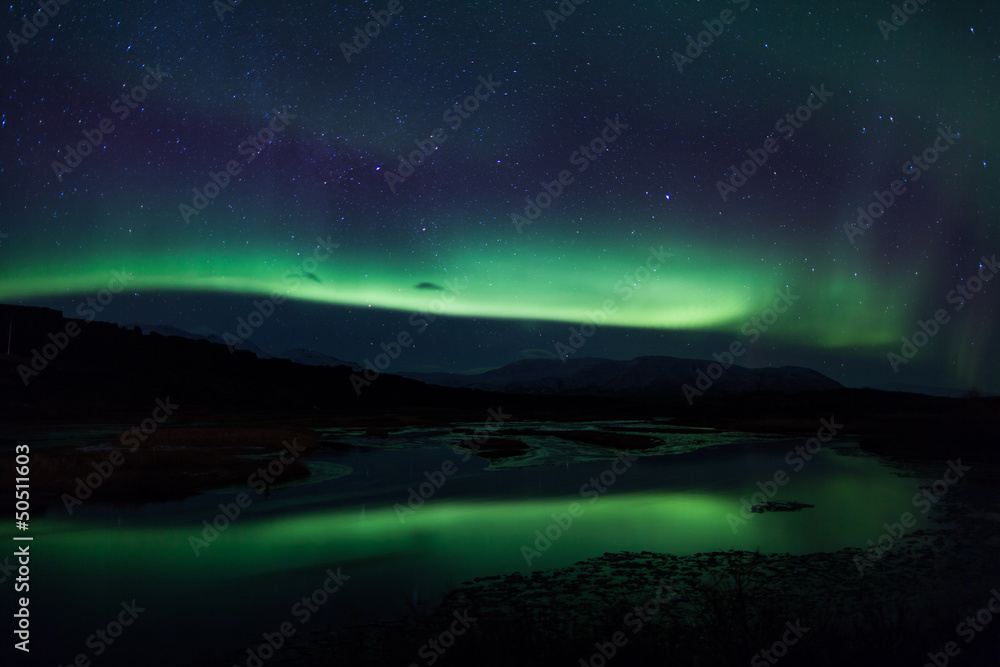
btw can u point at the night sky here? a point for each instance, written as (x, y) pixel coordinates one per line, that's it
(645, 233)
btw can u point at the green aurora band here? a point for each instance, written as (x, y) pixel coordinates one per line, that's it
(651, 287)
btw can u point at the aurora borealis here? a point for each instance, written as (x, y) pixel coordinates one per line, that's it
(366, 176)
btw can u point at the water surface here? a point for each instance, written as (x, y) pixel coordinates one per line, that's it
(482, 521)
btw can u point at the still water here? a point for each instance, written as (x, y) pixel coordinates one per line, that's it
(353, 516)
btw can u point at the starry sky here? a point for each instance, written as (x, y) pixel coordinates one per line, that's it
(484, 176)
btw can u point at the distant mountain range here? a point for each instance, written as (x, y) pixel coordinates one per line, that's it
(649, 378)
(299, 355)
(643, 378)
(69, 371)
(55, 370)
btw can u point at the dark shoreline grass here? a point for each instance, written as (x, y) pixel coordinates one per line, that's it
(168, 464)
(719, 609)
